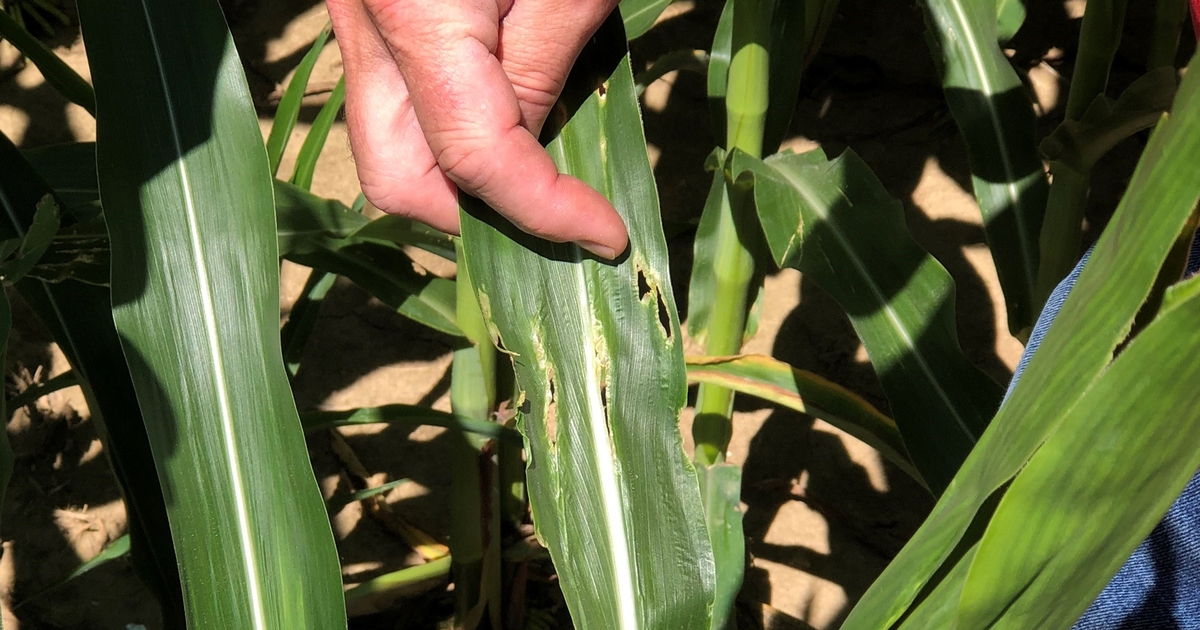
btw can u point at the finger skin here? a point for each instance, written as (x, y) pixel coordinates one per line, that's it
(466, 105)
(398, 172)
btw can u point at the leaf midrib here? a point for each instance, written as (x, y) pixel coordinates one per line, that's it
(1010, 187)
(903, 333)
(208, 313)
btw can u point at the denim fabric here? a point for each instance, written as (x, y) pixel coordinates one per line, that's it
(1158, 588)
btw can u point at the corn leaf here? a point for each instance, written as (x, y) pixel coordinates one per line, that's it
(1076, 350)
(1010, 15)
(58, 74)
(188, 195)
(640, 15)
(79, 317)
(808, 393)
(1098, 485)
(407, 416)
(993, 112)
(599, 364)
(833, 220)
(314, 142)
(387, 273)
(721, 485)
(288, 111)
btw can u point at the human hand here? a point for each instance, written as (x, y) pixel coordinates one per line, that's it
(444, 95)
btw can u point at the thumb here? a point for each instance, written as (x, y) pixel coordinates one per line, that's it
(470, 115)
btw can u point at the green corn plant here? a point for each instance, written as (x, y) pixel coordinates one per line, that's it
(160, 285)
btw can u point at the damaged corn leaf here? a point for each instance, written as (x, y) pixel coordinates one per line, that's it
(833, 220)
(599, 364)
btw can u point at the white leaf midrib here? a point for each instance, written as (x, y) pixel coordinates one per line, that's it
(208, 313)
(611, 497)
(902, 332)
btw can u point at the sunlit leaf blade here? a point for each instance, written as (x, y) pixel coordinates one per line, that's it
(79, 317)
(1095, 318)
(187, 191)
(775, 381)
(1010, 15)
(599, 365)
(833, 220)
(721, 485)
(58, 74)
(1098, 485)
(640, 15)
(993, 111)
(289, 106)
(314, 142)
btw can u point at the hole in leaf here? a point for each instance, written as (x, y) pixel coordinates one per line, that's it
(643, 285)
(602, 89)
(664, 316)
(552, 415)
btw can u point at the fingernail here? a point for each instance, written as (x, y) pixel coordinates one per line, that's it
(602, 251)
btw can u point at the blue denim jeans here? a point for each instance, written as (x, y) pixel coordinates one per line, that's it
(1159, 586)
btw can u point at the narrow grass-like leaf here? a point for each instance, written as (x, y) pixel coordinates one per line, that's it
(115, 550)
(993, 112)
(387, 273)
(367, 493)
(302, 216)
(692, 60)
(58, 74)
(188, 193)
(314, 142)
(289, 106)
(79, 316)
(1098, 485)
(775, 381)
(34, 392)
(399, 230)
(833, 220)
(599, 366)
(721, 485)
(640, 15)
(408, 416)
(302, 319)
(374, 594)
(1095, 318)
